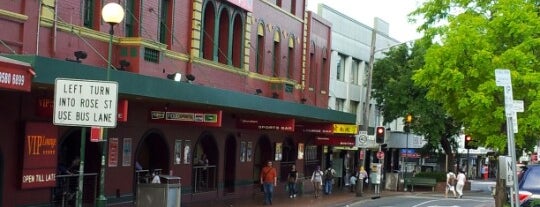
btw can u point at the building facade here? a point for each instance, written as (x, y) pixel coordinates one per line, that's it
(254, 87)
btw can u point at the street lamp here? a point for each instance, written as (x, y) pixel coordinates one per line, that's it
(113, 14)
(407, 129)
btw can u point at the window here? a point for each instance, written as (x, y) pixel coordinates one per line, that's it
(354, 71)
(312, 67)
(340, 104)
(354, 107)
(293, 7)
(340, 72)
(237, 43)
(323, 71)
(164, 22)
(88, 18)
(223, 44)
(277, 53)
(151, 55)
(290, 58)
(260, 48)
(208, 31)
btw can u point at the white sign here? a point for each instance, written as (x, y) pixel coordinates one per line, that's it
(502, 77)
(85, 103)
(361, 138)
(506, 170)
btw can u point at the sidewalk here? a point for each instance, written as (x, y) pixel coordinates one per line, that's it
(337, 198)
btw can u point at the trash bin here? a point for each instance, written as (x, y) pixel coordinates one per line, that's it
(165, 194)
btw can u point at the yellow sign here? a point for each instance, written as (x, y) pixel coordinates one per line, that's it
(345, 129)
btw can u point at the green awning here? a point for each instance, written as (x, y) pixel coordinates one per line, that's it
(194, 95)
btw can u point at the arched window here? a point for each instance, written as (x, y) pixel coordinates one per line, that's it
(312, 66)
(131, 20)
(290, 58)
(223, 41)
(277, 53)
(237, 41)
(165, 25)
(209, 16)
(324, 70)
(260, 48)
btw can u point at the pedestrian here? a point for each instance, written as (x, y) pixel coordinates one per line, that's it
(352, 182)
(329, 175)
(460, 183)
(316, 179)
(450, 184)
(268, 181)
(485, 171)
(291, 181)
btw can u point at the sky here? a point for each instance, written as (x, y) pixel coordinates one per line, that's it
(392, 11)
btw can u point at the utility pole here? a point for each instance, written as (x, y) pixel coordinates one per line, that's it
(365, 125)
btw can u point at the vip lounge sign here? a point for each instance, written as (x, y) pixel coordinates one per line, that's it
(40, 154)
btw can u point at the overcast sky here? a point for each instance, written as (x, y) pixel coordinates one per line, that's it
(392, 11)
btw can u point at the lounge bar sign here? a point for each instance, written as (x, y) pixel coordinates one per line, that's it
(40, 154)
(324, 128)
(187, 117)
(266, 124)
(335, 141)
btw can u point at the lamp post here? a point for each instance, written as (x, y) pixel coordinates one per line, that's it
(113, 14)
(408, 120)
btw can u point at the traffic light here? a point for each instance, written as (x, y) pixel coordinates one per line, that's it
(379, 135)
(469, 142)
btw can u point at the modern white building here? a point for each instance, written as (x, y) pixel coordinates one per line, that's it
(349, 66)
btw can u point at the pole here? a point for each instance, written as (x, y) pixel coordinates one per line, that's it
(512, 152)
(81, 167)
(468, 161)
(101, 200)
(405, 160)
(367, 99)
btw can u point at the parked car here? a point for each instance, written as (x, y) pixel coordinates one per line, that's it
(529, 184)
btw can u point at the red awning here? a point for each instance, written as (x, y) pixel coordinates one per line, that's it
(15, 75)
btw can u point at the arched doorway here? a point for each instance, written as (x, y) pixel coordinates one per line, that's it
(68, 165)
(288, 158)
(152, 155)
(230, 163)
(262, 153)
(205, 160)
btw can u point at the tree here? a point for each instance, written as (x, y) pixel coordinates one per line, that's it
(396, 96)
(467, 40)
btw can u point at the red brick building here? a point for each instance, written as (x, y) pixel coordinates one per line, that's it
(254, 88)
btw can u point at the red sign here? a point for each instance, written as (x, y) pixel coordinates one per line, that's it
(335, 141)
(266, 124)
(122, 110)
(191, 118)
(96, 134)
(40, 154)
(113, 152)
(380, 155)
(15, 75)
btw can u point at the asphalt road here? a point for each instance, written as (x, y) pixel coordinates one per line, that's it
(473, 199)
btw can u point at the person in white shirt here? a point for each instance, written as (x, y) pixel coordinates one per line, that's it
(460, 183)
(450, 182)
(316, 178)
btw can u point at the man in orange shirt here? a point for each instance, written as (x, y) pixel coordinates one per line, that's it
(268, 180)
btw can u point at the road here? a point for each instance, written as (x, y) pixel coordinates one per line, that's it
(473, 199)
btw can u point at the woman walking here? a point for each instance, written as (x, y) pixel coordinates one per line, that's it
(460, 183)
(316, 179)
(291, 181)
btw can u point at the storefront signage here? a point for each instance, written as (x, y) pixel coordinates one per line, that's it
(15, 75)
(113, 152)
(335, 141)
(40, 154)
(266, 124)
(192, 118)
(409, 153)
(325, 128)
(85, 103)
(244, 4)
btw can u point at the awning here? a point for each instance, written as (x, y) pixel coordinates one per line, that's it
(15, 75)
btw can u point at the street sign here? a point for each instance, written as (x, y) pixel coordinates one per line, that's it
(85, 103)
(502, 77)
(361, 139)
(380, 155)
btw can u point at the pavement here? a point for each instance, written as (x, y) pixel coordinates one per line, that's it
(340, 197)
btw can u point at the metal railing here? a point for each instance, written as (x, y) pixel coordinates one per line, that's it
(65, 191)
(205, 178)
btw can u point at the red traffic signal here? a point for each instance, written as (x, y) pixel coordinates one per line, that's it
(469, 142)
(379, 135)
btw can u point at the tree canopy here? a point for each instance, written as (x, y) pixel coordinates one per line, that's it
(465, 41)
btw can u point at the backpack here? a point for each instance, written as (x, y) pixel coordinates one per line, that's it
(328, 175)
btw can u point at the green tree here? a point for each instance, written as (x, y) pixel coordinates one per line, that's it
(396, 96)
(469, 39)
